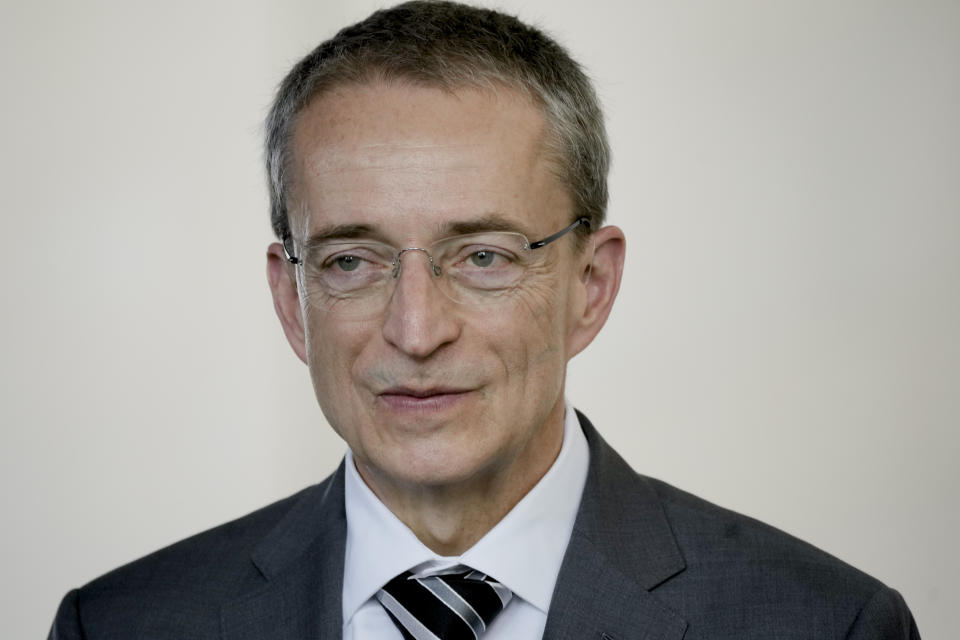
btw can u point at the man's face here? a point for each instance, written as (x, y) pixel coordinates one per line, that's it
(430, 391)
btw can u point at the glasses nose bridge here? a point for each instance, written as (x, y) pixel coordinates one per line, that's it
(433, 267)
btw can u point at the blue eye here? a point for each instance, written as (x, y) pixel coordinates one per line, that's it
(482, 258)
(348, 263)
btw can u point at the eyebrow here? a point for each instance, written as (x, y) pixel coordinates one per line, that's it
(488, 222)
(343, 232)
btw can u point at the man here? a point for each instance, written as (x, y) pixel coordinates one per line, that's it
(438, 188)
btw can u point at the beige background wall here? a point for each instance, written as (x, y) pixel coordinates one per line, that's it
(786, 342)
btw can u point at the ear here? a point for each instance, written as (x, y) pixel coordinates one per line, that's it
(286, 302)
(600, 271)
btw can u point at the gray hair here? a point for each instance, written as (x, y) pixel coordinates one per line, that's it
(450, 45)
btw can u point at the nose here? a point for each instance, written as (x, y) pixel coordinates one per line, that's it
(419, 319)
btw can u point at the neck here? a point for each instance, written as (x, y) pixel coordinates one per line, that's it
(451, 518)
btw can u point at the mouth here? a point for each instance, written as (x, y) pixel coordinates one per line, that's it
(422, 400)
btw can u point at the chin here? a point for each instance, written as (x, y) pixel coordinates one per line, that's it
(431, 466)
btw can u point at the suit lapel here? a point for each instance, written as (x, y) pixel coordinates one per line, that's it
(302, 562)
(620, 549)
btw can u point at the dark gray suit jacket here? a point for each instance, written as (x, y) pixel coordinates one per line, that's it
(645, 562)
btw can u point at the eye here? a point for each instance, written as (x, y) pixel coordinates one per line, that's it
(482, 258)
(342, 260)
(347, 263)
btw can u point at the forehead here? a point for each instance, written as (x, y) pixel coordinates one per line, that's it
(402, 158)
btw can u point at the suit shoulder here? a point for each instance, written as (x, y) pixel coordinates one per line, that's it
(216, 549)
(727, 576)
(186, 581)
(772, 576)
(708, 532)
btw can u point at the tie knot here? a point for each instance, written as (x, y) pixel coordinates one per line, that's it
(454, 605)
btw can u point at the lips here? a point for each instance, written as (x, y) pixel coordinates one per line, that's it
(423, 399)
(421, 392)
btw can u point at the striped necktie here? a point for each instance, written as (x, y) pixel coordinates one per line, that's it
(449, 606)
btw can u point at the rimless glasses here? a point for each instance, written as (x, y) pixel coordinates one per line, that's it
(353, 277)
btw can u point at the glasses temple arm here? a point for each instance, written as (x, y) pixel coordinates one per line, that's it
(559, 234)
(292, 259)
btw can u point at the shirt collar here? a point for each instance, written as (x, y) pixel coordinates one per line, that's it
(523, 551)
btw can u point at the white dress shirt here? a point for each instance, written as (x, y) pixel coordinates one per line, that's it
(523, 551)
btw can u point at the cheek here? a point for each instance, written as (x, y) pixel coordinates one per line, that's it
(544, 308)
(332, 349)
(528, 332)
